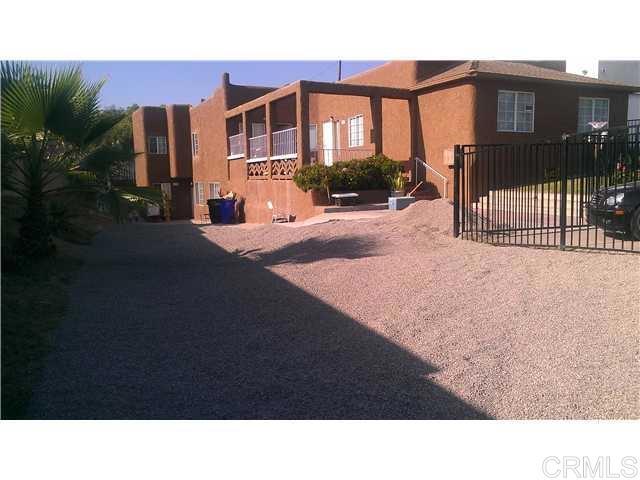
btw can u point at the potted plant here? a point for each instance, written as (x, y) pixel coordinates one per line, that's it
(397, 184)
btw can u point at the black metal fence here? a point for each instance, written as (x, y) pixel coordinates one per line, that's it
(571, 194)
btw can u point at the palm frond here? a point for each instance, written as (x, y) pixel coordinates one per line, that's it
(140, 195)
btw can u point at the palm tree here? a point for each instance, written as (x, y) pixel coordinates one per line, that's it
(105, 164)
(50, 122)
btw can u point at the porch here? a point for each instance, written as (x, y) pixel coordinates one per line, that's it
(275, 137)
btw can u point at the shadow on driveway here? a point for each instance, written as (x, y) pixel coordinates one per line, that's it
(165, 324)
(312, 250)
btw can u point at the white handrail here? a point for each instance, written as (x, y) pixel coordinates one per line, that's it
(284, 143)
(445, 180)
(258, 146)
(236, 144)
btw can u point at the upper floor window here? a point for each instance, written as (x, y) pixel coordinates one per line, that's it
(258, 129)
(515, 111)
(356, 131)
(313, 137)
(194, 144)
(592, 113)
(158, 145)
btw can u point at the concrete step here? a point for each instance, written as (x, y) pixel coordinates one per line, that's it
(356, 208)
(426, 196)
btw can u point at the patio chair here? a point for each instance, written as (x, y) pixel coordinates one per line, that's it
(277, 217)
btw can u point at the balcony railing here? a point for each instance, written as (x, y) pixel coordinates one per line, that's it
(328, 156)
(258, 147)
(284, 143)
(236, 145)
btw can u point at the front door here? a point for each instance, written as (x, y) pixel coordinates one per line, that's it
(328, 142)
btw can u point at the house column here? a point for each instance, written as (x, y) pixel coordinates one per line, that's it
(376, 120)
(302, 124)
(267, 122)
(414, 129)
(245, 130)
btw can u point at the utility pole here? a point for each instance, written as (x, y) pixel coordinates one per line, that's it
(339, 70)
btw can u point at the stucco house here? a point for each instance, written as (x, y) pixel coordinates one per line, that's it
(251, 140)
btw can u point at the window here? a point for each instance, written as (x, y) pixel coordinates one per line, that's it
(313, 137)
(592, 110)
(515, 111)
(199, 193)
(214, 190)
(258, 129)
(158, 145)
(194, 144)
(356, 131)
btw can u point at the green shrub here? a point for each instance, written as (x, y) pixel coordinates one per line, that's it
(371, 173)
(315, 177)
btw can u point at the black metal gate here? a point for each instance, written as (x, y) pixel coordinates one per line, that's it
(573, 194)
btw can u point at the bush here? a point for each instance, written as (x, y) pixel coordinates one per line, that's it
(371, 173)
(315, 177)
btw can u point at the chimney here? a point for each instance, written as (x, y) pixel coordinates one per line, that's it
(225, 89)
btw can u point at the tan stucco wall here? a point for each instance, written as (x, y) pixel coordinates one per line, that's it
(446, 118)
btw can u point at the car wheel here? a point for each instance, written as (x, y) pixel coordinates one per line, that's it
(635, 224)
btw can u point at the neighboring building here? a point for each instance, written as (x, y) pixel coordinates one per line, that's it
(626, 72)
(162, 146)
(251, 140)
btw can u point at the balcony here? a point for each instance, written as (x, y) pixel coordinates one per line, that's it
(236, 146)
(257, 148)
(284, 144)
(328, 156)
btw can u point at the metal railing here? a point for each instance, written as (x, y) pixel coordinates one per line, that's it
(572, 194)
(631, 127)
(236, 144)
(258, 147)
(330, 155)
(429, 168)
(284, 143)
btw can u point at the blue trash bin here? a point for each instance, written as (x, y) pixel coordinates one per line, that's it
(228, 211)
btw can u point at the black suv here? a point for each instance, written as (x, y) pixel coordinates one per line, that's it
(616, 208)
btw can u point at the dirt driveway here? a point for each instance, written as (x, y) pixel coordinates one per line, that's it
(386, 317)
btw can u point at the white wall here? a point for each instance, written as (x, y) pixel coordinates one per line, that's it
(634, 106)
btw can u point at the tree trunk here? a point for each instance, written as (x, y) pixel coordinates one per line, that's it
(35, 233)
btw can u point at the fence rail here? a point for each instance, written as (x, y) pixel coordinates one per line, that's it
(284, 142)
(569, 195)
(258, 147)
(236, 144)
(330, 155)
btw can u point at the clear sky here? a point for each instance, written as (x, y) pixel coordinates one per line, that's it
(154, 83)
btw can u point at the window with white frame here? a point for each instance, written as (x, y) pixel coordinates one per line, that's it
(158, 145)
(592, 111)
(516, 111)
(199, 193)
(313, 137)
(214, 190)
(194, 144)
(356, 131)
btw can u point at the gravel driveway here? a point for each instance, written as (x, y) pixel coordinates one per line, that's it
(384, 317)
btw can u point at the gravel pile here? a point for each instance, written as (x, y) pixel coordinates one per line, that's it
(385, 317)
(516, 332)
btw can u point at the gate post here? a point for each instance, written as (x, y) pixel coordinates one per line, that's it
(563, 194)
(456, 190)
